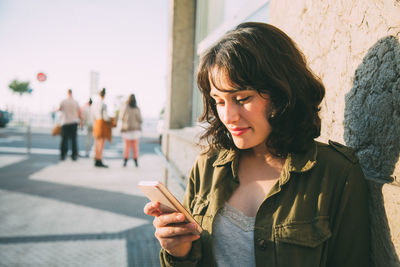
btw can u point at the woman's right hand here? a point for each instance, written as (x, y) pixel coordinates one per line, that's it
(173, 233)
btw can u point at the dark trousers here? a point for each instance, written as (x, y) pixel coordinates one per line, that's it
(69, 132)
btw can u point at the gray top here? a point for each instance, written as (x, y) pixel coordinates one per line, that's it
(233, 238)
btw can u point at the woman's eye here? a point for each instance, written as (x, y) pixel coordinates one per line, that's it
(218, 102)
(242, 100)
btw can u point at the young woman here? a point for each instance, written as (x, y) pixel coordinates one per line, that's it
(101, 129)
(131, 127)
(265, 193)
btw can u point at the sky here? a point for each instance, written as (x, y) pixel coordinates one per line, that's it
(125, 41)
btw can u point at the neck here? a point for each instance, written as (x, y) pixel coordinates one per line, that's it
(263, 154)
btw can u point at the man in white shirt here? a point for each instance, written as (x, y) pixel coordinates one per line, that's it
(71, 115)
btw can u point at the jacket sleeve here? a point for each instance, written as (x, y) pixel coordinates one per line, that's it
(194, 255)
(350, 244)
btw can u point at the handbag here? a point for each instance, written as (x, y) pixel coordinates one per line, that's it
(56, 130)
(113, 122)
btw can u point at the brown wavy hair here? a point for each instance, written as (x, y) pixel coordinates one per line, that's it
(132, 101)
(261, 57)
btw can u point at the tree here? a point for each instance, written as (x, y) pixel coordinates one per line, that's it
(20, 87)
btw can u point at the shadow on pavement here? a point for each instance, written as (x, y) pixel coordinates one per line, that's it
(15, 178)
(142, 248)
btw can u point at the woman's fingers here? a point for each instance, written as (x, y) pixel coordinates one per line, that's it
(168, 218)
(152, 208)
(176, 241)
(175, 230)
(173, 233)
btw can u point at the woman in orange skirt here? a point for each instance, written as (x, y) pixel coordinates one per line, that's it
(101, 129)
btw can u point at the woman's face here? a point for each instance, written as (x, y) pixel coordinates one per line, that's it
(244, 114)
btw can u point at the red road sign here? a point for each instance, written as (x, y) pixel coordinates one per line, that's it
(41, 77)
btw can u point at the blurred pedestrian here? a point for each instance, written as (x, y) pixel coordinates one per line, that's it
(87, 123)
(70, 118)
(53, 117)
(131, 126)
(101, 128)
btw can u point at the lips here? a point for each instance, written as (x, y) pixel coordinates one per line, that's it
(237, 131)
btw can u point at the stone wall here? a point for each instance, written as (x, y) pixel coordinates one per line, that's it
(353, 46)
(335, 35)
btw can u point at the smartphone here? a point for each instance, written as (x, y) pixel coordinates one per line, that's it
(156, 191)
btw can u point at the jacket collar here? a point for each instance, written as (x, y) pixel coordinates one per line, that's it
(305, 161)
(228, 156)
(225, 156)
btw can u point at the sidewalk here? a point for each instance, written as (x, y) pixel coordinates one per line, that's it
(73, 214)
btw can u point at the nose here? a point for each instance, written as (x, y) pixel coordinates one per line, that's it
(230, 113)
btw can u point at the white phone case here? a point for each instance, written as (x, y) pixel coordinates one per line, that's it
(156, 191)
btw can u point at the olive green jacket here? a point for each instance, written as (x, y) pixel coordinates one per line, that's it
(315, 215)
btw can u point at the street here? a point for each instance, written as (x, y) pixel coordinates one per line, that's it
(66, 213)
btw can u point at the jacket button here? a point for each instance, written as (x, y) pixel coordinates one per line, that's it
(262, 244)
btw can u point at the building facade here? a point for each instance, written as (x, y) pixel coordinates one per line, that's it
(353, 46)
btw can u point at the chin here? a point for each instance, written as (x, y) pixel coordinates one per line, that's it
(241, 145)
(248, 144)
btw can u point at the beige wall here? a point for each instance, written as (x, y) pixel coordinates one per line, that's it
(344, 43)
(335, 35)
